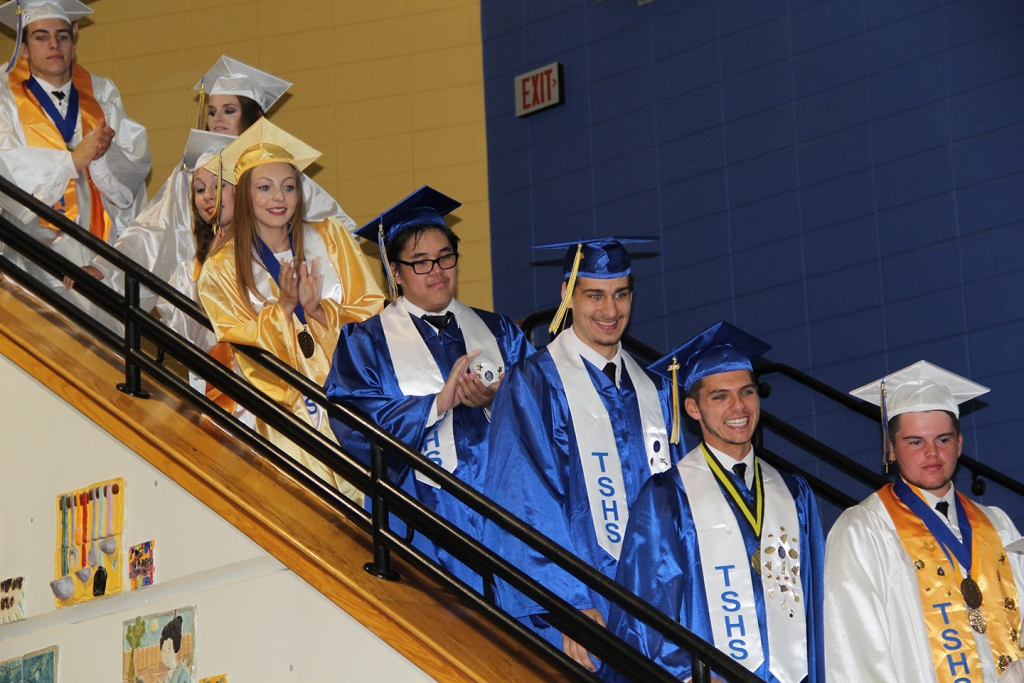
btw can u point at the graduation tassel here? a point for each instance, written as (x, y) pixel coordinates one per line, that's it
(392, 288)
(215, 218)
(888, 456)
(17, 39)
(674, 367)
(200, 123)
(563, 308)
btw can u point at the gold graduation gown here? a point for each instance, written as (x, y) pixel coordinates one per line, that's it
(350, 294)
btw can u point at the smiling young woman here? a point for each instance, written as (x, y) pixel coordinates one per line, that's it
(280, 283)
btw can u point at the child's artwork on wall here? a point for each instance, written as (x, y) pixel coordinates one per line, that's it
(12, 600)
(160, 648)
(89, 562)
(222, 678)
(37, 667)
(141, 566)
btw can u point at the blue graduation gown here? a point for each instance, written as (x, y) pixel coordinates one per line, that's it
(660, 562)
(535, 472)
(362, 376)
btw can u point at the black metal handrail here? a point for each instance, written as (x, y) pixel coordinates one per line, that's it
(139, 324)
(831, 456)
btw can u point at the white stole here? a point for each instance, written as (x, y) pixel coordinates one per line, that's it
(602, 469)
(418, 374)
(726, 569)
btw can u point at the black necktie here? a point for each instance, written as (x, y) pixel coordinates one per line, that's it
(943, 507)
(59, 94)
(740, 470)
(439, 321)
(609, 371)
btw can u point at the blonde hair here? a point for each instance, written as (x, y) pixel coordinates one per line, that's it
(246, 235)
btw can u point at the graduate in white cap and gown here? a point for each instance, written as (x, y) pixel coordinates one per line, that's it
(428, 366)
(577, 429)
(64, 134)
(233, 96)
(724, 543)
(919, 585)
(280, 283)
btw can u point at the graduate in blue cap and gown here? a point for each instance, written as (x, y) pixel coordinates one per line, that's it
(428, 366)
(577, 429)
(723, 543)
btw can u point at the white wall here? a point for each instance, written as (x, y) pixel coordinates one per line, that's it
(255, 619)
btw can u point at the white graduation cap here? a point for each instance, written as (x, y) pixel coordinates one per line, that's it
(231, 77)
(917, 388)
(34, 10)
(202, 146)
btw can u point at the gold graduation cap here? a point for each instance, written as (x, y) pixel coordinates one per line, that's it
(261, 143)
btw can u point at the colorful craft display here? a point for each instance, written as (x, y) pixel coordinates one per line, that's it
(160, 647)
(12, 601)
(141, 565)
(36, 667)
(89, 562)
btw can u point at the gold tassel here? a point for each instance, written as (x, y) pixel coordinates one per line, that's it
(215, 218)
(392, 287)
(675, 401)
(556, 323)
(201, 117)
(888, 455)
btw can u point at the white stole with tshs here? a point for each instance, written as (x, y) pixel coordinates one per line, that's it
(726, 567)
(418, 374)
(602, 469)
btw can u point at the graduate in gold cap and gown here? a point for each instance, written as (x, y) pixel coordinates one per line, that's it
(577, 428)
(724, 543)
(64, 134)
(427, 368)
(919, 587)
(280, 283)
(233, 96)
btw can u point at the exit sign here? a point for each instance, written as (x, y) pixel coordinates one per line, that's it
(539, 89)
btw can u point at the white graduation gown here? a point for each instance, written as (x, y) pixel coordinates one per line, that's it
(874, 621)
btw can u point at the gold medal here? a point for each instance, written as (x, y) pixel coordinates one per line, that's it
(755, 560)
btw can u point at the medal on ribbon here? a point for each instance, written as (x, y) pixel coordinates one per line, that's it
(755, 516)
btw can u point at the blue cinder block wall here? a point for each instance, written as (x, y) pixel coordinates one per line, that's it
(842, 178)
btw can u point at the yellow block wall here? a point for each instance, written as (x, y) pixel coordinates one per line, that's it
(391, 91)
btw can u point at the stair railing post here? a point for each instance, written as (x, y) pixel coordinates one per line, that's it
(701, 672)
(381, 565)
(132, 384)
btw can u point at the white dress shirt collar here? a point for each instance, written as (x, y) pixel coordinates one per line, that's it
(598, 359)
(418, 312)
(728, 462)
(952, 519)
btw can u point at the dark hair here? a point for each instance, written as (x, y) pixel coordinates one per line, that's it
(172, 632)
(250, 113)
(397, 245)
(894, 423)
(203, 233)
(74, 34)
(695, 388)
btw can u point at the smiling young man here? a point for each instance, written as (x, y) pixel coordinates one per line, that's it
(723, 543)
(428, 366)
(919, 585)
(64, 135)
(578, 428)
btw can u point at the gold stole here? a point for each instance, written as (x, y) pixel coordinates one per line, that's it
(40, 131)
(945, 612)
(223, 353)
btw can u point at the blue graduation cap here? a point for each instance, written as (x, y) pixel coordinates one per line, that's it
(602, 258)
(720, 348)
(425, 206)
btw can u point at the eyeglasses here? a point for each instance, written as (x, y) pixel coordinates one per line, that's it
(446, 262)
